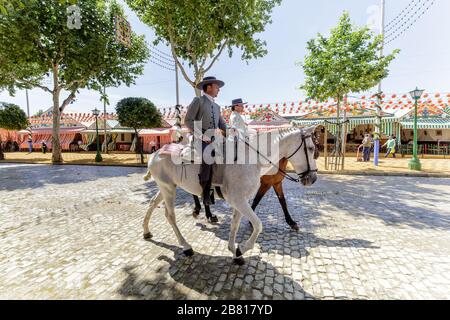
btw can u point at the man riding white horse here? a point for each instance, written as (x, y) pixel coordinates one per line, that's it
(205, 109)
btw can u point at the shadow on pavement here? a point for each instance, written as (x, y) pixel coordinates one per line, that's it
(32, 176)
(204, 275)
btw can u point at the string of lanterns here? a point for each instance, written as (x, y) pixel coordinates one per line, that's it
(392, 103)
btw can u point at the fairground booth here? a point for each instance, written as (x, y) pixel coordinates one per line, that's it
(78, 133)
(359, 115)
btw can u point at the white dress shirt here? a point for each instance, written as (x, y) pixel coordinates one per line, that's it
(209, 97)
(238, 123)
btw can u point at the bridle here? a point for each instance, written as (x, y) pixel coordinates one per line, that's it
(308, 170)
(284, 173)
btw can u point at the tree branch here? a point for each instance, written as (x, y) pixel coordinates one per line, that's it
(34, 85)
(209, 47)
(217, 56)
(68, 100)
(177, 61)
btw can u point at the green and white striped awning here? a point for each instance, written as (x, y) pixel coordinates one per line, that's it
(313, 122)
(426, 124)
(387, 124)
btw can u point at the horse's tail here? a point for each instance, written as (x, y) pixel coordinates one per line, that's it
(148, 175)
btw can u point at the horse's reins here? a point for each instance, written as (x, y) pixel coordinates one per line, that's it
(284, 173)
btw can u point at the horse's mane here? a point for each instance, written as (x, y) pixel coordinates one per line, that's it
(280, 133)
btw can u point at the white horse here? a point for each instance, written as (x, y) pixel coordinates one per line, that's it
(240, 183)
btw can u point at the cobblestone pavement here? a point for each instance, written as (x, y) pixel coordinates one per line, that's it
(75, 232)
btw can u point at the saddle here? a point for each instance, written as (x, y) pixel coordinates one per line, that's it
(188, 155)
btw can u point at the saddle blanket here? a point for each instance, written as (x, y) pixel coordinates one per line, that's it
(185, 152)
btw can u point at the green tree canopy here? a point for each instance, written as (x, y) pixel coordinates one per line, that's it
(347, 61)
(138, 113)
(7, 5)
(12, 117)
(198, 31)
(74, 47)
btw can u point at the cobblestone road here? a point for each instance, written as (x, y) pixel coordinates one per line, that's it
(75, 232)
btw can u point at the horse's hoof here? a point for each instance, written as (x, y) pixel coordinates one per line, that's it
(295, 227)
(148, 236)
(240, 261)
(195, 214)
(188, 252)
(213, 219)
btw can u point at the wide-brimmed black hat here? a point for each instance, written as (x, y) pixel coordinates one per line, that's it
(235, 102)
(208, 80)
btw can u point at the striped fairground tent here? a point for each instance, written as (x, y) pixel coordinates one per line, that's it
(432, 123)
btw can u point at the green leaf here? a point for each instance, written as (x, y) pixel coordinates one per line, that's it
(197, 29)
(37, 43)
(12, 117)
(347, 61)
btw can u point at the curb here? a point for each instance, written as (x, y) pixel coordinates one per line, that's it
(388, 174)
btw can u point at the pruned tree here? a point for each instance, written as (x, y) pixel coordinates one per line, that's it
(12, 117)
(346, 61)
(198, 31)
(73, 46)
(138, 113)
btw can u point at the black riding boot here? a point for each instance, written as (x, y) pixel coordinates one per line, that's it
(206, 186)
(205, 177)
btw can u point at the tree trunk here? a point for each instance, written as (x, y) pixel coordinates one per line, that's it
(198, 79)
(2, 155)
(56, 145)
(138, 146)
